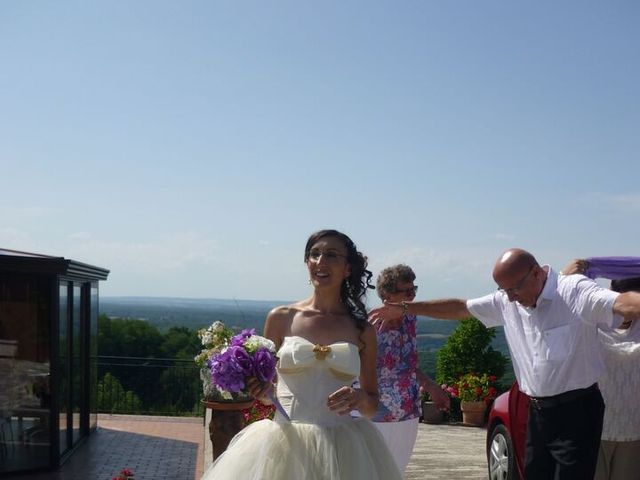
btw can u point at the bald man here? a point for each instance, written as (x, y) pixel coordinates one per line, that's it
(550, 323)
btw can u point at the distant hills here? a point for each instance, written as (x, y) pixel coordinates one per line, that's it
(166, 312)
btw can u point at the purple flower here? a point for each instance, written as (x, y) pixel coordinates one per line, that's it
(241, 359)
(226, 373)
(238, 340)
(264, 365)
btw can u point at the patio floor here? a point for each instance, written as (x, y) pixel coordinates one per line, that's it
(164, 448)
(154, 448)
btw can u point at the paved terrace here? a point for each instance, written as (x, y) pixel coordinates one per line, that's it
(164, 448)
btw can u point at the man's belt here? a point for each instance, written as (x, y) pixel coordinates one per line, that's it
(561, 398)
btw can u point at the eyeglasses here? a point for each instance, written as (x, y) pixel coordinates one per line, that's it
(408, 291)
(330, 256)
(516, 288)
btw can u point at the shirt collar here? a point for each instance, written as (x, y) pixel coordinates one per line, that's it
(549, 289)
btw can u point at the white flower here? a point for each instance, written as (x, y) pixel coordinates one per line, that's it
(255, 342)
(217, 327)
(207, 337)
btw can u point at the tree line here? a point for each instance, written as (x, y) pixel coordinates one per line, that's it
(143, 370)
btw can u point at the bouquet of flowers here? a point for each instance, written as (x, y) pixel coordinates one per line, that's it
(475, 388)
(246, 355)
(228, 360)
(214, 339)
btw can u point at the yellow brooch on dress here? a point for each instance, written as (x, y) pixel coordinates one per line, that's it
(321, 351)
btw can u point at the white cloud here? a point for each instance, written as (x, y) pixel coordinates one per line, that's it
(443, 272)
(15, 239)
(80, 236)
(622, 202)
(629, 201)
(173, 252)
(504, 236)
(7, 211)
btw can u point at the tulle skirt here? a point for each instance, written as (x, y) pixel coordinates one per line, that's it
(267, 449)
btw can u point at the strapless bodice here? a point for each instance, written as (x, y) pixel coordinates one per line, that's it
(309, 373)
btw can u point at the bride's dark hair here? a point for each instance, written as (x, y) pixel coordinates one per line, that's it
(354, 287)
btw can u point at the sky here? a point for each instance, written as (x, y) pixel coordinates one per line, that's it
(192, 147)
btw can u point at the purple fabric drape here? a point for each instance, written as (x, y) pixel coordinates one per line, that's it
(613, 268)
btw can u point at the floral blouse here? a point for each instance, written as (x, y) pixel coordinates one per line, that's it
(396, 367)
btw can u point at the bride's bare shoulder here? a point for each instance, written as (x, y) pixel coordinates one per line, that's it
(279, 320)
(285, 312)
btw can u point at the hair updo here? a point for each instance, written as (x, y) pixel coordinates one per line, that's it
(354, 287)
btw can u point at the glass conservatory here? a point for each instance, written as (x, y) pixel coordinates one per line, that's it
(48, 358)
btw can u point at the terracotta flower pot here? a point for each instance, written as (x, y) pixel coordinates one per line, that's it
(473, 413)
(226, 420)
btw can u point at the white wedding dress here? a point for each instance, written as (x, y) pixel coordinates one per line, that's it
(316, 444)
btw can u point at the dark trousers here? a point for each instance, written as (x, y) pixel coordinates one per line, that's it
(563, 438)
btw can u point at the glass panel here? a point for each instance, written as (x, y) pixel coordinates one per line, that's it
(93, 357)
(63, 384)
(76, 365)
(25, 398)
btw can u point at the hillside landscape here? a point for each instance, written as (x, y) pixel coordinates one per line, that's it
(167, 312)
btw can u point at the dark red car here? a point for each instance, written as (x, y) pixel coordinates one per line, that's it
(506, 433)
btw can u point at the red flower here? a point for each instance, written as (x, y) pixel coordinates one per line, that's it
(125, 474)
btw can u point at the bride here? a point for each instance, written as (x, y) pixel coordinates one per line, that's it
(324, 343)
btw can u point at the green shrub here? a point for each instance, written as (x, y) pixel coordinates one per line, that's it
(468, 350)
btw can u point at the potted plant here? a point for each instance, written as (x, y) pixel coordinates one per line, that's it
(430, 412)
(475, 393)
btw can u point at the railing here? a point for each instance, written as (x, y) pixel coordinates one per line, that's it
(149, 386)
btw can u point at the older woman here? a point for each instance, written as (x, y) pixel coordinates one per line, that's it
(399, 378)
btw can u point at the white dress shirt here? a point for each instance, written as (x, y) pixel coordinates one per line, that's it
(554, 345)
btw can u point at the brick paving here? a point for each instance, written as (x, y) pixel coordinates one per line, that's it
(154, 448)
(163, 448)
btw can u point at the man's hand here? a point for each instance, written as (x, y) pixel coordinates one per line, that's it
(577, 265)
(387, 316)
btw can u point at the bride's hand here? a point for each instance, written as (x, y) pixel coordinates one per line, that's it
(343, 400)
(260, 391)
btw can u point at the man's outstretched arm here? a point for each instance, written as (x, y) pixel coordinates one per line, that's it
(391, 314)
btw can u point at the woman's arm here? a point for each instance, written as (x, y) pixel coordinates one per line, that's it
(365, 398)
(367, 402)
(276, 327)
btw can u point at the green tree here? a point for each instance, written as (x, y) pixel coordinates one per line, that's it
(468, 350)
(128, 337)
(113, 398)
(180, 343)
